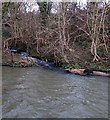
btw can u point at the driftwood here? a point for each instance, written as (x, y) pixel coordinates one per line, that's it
(86, 72)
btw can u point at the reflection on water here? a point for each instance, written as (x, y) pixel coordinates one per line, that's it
(40, 93)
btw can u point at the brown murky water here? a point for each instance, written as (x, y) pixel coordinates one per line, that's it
(40, 93)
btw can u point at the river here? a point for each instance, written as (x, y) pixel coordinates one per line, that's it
(36, 92)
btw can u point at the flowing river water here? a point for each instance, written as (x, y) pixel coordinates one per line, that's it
(36, 92)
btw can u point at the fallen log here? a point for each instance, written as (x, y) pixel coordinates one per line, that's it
(86, 72)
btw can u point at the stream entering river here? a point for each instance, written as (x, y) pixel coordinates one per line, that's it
(40, 93)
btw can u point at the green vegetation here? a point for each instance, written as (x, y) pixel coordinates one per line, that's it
(76, 66)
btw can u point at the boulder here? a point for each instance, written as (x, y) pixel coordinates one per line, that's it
(15, 60)
(24, 62)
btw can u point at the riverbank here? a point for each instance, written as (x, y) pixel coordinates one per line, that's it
(22, 60)
(16, 60)
(79, 58)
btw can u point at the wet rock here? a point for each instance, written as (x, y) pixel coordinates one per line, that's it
(11, 58)
(24, 62)
(14, 59)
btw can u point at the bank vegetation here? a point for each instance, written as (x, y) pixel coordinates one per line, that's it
(68, 34)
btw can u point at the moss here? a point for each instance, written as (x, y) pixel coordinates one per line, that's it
(98, 66)
(36, 55)
(65, 65)
(76, 66)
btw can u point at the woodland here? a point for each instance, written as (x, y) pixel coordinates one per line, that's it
(65, 33)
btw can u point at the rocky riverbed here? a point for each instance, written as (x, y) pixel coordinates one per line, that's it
(10, 58)
(13, 59)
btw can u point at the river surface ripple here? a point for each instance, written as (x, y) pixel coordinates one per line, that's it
(39, 93)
